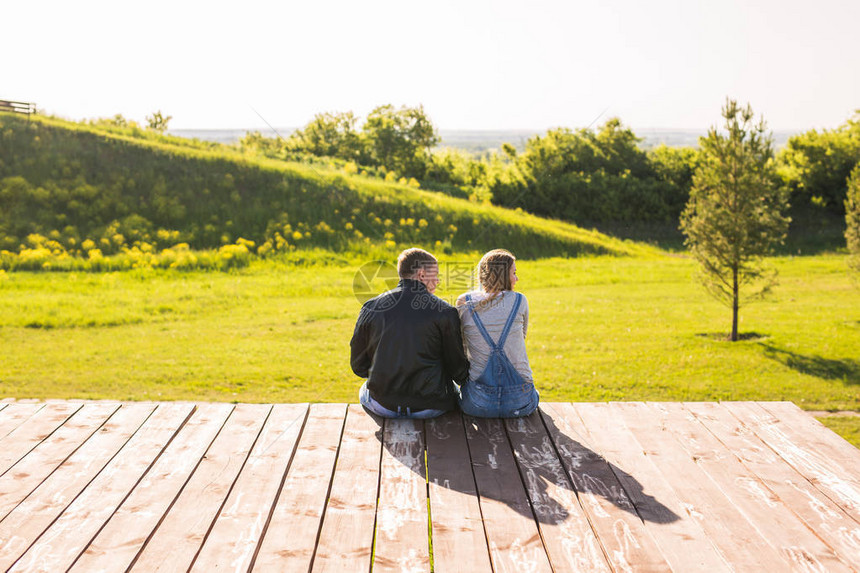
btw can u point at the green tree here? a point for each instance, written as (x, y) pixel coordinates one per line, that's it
(258, 144)
(400, 139)
(815, 165)
(585, 176)
(735, 213)
(675, 167)
(118, 120)
(619, 150)
(509, 150)
(852, 218)
(158, 122)
(455, 172)
(330, 135)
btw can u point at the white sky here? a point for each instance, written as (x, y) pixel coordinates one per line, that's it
(473, 64)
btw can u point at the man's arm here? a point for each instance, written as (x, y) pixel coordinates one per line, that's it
(361, 355)
(453, 354)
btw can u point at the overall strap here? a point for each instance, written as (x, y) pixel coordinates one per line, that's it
(481, 328)
(510, 322)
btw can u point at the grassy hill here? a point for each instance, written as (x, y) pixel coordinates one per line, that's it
(81, 191)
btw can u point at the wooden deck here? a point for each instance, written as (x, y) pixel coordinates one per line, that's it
(96, 486)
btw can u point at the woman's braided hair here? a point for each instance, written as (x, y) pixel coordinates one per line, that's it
(494, 274)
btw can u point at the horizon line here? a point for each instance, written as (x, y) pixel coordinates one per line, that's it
(488, 130)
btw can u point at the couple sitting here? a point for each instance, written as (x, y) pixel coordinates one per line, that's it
(409, 344)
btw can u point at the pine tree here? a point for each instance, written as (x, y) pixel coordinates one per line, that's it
(852, 218)
(734, 216)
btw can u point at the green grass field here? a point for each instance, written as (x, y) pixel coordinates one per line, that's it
(602, 328)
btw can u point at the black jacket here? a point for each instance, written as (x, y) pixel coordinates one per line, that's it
(407, 343)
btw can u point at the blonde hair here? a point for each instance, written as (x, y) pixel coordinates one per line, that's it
(494, 274)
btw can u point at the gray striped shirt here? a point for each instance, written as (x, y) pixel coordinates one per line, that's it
(494, 315)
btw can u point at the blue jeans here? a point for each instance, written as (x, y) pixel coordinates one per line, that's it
(484, 401)
(368, 402)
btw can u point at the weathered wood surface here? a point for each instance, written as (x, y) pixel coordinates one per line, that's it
(50, 453)
(459, 542)
(679, 535)
(119, 542)
(346, 537)
(100, 486)
(622, 533)
(62, 543)
(236, 534)
(185, 526)
(801, 452)
(17, 443)
(814, 508)
(739, 541)
(565, 525)
(25, 524)
(12, 415)
(401, 514)
(512, 533)
(775, 522)
(298, 512)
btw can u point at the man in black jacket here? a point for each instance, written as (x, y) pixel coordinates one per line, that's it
(407, 343)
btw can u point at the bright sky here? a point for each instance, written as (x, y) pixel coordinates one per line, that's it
(473, 64)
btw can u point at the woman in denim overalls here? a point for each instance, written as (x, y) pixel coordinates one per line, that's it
(494, 320)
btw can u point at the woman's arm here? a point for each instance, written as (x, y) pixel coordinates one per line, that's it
(525, 315)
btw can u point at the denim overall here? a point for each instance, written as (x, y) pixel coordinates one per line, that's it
(500, 391)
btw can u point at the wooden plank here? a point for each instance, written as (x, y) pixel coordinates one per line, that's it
(20, 528)
(513, 536)
(61, 544)
(233, 539)
(402, 540)
(814, 436)
(28, 473)
(32, 431)
(739, 542)
(182, 531)
(13, 415)
(117, 544)
(290, 538)
(781, 528)
(346, 537)
(826, 475)
(816, 510)
(681, 539)
(625, 540)
(789, 483)
(459, 541)
(568, 538)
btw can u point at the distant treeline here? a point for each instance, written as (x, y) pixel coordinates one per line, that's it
(72, 191)
(600, 175)
(482, 141)
(110, 188)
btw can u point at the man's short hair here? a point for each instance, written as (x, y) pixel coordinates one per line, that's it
(413, 259)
